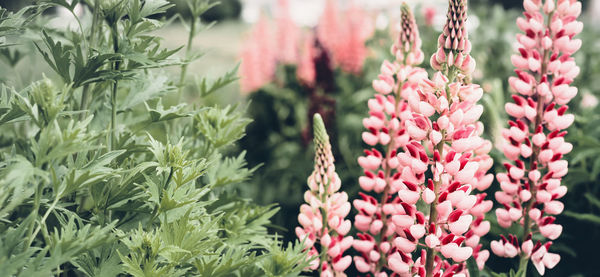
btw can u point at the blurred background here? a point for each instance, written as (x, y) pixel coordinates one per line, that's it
(299, 57)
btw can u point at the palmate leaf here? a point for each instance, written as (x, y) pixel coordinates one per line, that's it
(74, 238)
(160, 114)
(153, 7)
(10, 111)
(14, 256)
(94, 172)
(194, 233)
(146, 255)
(221, 127)
(17, 183)
(59, 57)
(245, 222)
(10, 22)
(146, 52)
(103, 261)
(92, 69)
(56, 143)
(230, 170)
(150, 87)
(124, 194)
(284, 261)
(206, 87)
(225, 261)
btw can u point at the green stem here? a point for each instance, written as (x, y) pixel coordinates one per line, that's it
(451, 73)
(523, 267)
(91, 43)
(43, 220)
(431, 252)
(324, 249)
(386, 192)
(535, 153)
(187, 55)
(113, 98)
(36, 209)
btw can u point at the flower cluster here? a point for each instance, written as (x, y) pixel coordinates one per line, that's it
(323, 217)
(380, 244)
(344, 34)
(445, 119)
(287, 34)
(258, 57)
(434, 132)
(341, 34)
(535, 142)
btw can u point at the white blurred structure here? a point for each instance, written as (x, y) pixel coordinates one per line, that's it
(594, 11)
(307, 12)
(65, 19)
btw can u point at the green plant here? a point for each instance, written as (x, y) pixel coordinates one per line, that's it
(102, 175)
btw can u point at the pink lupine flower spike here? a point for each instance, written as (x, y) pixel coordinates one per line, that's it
(388, 222)
(534, 143)
(429, 128)
(322, 218)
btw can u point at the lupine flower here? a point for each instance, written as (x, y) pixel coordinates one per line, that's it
(344, 35)
(589, 101)
(460, 156)
(351, 52)
(306, 72)
(429, 13)
(390, 225)
(287, 34)
(322, 219)
(258, 57)
(329, 25)
(439, 117)
(535, 143)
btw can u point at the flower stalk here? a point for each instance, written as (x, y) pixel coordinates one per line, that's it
(322, 218)
(431, 128)
(534, 143)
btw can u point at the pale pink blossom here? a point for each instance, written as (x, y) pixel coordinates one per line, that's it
(433, 129)
(322, 218)
(258, 57)
(390, 227)
(288, 34)
(306, 72)
(343, 34)
(534, 143)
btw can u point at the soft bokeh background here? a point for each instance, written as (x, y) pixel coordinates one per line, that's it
(278, 141)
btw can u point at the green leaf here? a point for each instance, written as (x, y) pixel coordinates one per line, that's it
(10, 111)
(472, 267)
(100, 262)
(206, 87)
(59, 58)
(591, 218)
(221, 127)
(593, 200)
(17, 183)
(160, 114)
(150, 87)
(230, 170)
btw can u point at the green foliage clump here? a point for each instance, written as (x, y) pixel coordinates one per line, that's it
(104, 173)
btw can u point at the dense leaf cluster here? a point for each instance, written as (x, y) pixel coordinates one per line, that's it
(104, 173)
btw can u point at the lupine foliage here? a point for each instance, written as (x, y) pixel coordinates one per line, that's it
(104, 173)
